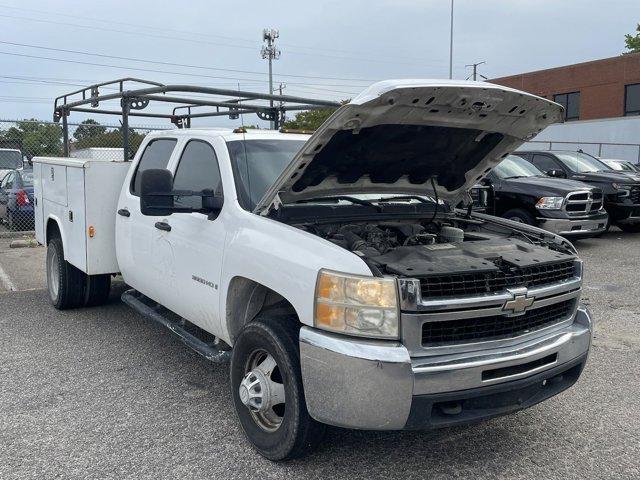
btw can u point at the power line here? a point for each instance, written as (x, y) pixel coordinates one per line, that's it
(173, 64)
(123, 67)
(200, 41)
(190, 32)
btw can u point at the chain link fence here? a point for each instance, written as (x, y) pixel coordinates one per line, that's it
(21, 140)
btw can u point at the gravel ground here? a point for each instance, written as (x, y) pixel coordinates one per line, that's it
(104, 393)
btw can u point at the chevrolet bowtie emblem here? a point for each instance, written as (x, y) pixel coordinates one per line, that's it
(519, 303)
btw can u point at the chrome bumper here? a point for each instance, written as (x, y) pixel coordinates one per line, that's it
(376, 385)
(574, 226)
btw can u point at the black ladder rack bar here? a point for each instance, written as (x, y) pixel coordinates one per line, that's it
(132, 100)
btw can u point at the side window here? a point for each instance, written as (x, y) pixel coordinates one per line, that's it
(197, 170)
(9, 181)
(156, 155)
(545, 163)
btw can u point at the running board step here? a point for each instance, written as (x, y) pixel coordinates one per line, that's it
(145, 306)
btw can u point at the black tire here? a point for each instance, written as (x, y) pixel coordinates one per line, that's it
(298, 433)
(629, 227)
(70, 288)
(97, 288)
(520, 215)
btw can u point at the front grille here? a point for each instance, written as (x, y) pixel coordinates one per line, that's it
(494, 327)
(634, 193)
(581, 203)
(491, 282)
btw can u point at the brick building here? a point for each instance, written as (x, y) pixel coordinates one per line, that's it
(599, 89)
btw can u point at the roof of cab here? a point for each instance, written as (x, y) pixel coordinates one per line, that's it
(228, 134)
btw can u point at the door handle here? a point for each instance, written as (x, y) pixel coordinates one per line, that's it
(163, 226)
(124, 212)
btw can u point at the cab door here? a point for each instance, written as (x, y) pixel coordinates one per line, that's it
(143, 250)
(196, 239)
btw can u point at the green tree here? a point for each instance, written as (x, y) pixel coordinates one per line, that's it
(632, 42)
(111, 138)
(36, 138)
(88, 128)
(309, 120)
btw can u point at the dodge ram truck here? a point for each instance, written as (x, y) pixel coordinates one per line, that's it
(331, 271)
(621, 190)
(518, 191)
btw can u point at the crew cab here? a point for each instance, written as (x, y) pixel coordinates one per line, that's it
(621, 190)
(520, 192)
(331, 270)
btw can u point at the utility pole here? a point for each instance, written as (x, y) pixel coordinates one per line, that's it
(270, 52)
(475, 73)
(280, 88)
(451, 45)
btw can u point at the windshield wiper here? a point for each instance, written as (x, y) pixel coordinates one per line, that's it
(347, 198)
(516, 176)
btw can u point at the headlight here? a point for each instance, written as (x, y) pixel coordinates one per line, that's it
(623, 190)
(550, 203)
(357, 305)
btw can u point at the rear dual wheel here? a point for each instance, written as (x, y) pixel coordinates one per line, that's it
(267, 389)
(68, 286)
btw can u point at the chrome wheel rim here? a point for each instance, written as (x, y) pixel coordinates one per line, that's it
(262, 391)
(53, 279)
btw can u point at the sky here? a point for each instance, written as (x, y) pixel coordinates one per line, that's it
(329, 49)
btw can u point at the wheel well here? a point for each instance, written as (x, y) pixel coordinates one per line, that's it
(53, 230)
(246, 299)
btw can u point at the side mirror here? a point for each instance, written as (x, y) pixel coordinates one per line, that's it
(557, 174)
(156, 197)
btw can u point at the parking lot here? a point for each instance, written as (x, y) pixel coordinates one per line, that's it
(105, 393)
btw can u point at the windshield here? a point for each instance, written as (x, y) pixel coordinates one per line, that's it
(620, 166)
(514, 167)
(581, 163)
(258, 163)
(10, 159)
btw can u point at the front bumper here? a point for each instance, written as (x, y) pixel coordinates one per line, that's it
(376, 385)
(584, 226)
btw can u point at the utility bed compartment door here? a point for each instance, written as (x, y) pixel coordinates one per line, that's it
(54, 183)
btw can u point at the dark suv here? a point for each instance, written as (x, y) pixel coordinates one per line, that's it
(515, 189)
(621, 190)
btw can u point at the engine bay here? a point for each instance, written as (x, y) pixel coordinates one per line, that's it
(421, 248)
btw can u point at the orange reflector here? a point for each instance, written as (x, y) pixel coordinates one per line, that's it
(92, 231)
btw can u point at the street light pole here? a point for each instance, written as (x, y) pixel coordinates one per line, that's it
(451, 45)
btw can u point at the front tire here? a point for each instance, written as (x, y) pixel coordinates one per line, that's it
(268, 394)
(521, 216)
(65, 283)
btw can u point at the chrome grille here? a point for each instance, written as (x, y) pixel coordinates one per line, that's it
(496, 281)
(494, 327)
(583, 203)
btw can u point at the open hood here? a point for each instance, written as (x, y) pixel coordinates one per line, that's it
(398, 135)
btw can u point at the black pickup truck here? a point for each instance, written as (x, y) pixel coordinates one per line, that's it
(621, 190)
(515, 189)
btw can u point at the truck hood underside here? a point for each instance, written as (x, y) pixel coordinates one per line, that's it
(400, 136)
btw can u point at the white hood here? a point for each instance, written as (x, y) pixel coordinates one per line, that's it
(398, 136)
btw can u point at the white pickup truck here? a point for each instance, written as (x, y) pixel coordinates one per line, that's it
(333, 271)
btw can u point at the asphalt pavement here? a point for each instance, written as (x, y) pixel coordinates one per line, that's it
(105, 393)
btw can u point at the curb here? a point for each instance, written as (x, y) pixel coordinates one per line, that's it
(24, 243)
